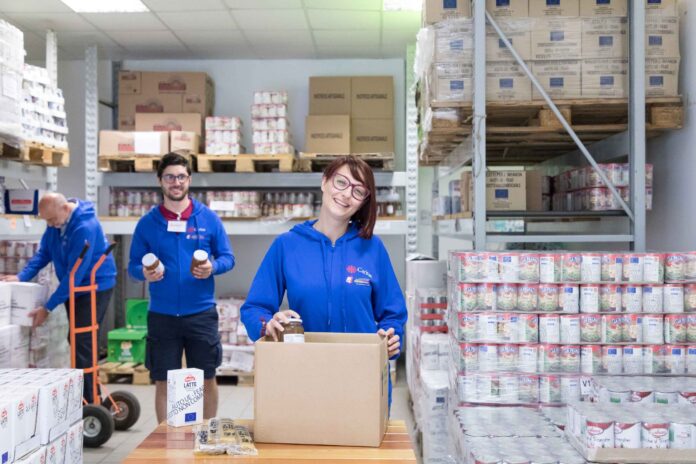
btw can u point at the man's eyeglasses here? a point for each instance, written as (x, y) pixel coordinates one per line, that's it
(358, 191)
(170, 178)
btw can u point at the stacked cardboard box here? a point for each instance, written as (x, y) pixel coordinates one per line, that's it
(576, 48)
(350, 115)
(147, 142)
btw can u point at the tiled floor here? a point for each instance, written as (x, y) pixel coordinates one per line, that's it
(235, 402)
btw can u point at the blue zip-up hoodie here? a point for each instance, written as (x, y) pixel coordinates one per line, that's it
(63, 250)
(346, 287)
(179, 293)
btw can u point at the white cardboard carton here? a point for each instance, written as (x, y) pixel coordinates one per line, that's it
(184, 397)
(55, 453)
(36, 457)
(73, 452)
(6, 427)
(26, 297)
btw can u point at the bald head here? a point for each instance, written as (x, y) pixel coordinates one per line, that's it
(55, 209)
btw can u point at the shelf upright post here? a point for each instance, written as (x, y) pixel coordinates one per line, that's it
(91, 123)
(636, 121)
(52, 68)
(411, 199)
(479, 125)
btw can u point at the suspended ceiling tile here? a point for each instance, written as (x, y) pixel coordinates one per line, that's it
(351, 20)
(279, 38)
(372, 5)
(270, 19)
(402, 20)
(132, 40)
(198, 20)
(263, 4)
(218, 39)
(184, 5)
(216, 52)
(125, 21)
(348, 52)
(285, 51)
(59, 22)
(34, 6)
(347, 38)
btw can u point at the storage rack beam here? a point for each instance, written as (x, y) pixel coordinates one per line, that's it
(603, 151)
(411, 195)
(636, 125)
(479, 125)
(545, 238)
(91, 123)
(18, 170)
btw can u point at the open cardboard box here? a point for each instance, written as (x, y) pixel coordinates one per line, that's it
(330, 390)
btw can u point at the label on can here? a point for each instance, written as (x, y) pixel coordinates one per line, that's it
(686, 397)
(675, 266)
(632, 358)
(655, 435)
(468, 357)
(527, 297)
(571, 267)
(589, 298)
(591, 359)
(468, 297)
(508, 388)
(633, 268)
(632, 299)
(487, 357)
(487, 327)
(570, 328)
(654, 359)
(599, 434)
(509, 267)
(508, 327)
(627, 435)
(507, 297)
(590, 328)
(690, 272)
(487, 297)
(653, 329)
(653, 268)
(529, 267)
(570, 389)
(549, 358)
(618, 396)
(528, 386)
(653, 296)
(690, 297)
(466, 386)
(569, 298)
(691, 359)
(612, 268)
(528, 328)
(681, 435)
(508, 357)
(611, 359)
(570, 358)
(528, 358)
(591, 267)
(673, 298)
(490, 265)
(675, 328)
(666, 397)
(610, 298)
(633, 328)
(641, 396)
(675, 359)
(488, 388)
(468, 327)
(548, 297)
(612, 328)
(549, 389)
(471, 267)
(549, 268)
(549, 328)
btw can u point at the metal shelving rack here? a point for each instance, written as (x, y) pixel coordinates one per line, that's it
(631, 142)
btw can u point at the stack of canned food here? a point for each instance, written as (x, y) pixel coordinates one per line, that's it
(509, 435)
(14, 255)
(626, 425)
(660, 390)
(431, 310)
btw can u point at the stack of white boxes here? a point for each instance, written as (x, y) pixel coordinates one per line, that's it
(11, 69)
(223, 135)
(269, 123)
(237, 349)
(575, 48)
(43, 408)
(43, 109)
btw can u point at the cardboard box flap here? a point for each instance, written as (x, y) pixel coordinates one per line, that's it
(335, 338)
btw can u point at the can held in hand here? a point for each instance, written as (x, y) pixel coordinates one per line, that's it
(589, 298)
(591, 267)
(673, 298)
(653, 298)
(612, 267)
(528, 297)
(570, 328)
(548, 297)
(590, 328)
(632, 299)
(591, 359)
(569, 298)
(610, 298)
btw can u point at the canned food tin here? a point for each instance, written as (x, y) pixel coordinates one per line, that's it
(591, 267)
(571, 267)
(570, 358)
(528, 386)
(506, 297)
(468, 327)
(691, 359)
(549, 328)
(675, 266)
(632, 299)
(529, 267)
(548, 297)
(612, 328)
(675, 359)
(549, 268)
(690, 297)
(527, 297)
(654, 359)
(508, 388)
(528, 358)
(570, 388)
(633, 268)
(632, 358)
(487, 297)
(549, 389)
(490, 264)
(508, 355)
(487, 327)
(653, 268)
(675, 328)
(612, 268)
(590, 328)
(690, 268)
(466, 386)
(673, 298)
(681, 435)
(528, 328)
(611, 359)
(508, 327)
(618, 396)
(549, 358)
(610, 298)
(666, 397)
(633, 328)
(653, 329)
(627, 434)
(569, 298)
(468, 357)
(468, 297)
(591, 359)
(643, 396)
(509, 267)
(589, 298)
(686, 397)
(488, 388)
(487, 357)
(653, 296)
(599, 433)
(570, 328)
(471, 267)
(655, 435)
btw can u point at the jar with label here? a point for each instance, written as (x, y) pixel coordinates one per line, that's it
(293, 333)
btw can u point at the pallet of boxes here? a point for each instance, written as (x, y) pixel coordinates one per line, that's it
(158, 112)
(349, 115)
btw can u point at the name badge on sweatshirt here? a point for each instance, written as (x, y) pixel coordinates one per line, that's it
(176, 226)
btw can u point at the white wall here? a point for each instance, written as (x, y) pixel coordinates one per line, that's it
(672, 222)
(236, 80)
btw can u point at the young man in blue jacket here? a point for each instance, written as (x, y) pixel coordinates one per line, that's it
(182, 316)
(71, 223)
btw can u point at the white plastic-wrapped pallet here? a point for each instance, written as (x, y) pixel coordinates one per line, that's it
(433, 411)
(5, 303)
(12, 51)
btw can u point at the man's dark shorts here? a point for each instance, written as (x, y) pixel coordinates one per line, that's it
(169, 336)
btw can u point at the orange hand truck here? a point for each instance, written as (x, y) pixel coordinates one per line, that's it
(120, 409)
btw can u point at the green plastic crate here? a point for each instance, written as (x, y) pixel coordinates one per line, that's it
(127, 345)
(136, 313)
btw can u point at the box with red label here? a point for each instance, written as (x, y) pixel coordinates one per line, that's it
(22, 201)
(167, 122)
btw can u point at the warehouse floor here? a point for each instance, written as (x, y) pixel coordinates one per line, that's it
(235, 402)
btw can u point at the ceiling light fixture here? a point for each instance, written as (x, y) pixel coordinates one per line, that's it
(106, 6)
(401, 5)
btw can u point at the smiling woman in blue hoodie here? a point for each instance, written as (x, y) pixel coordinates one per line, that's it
(337, 274)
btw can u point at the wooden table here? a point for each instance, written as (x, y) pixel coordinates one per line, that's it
(175, 445)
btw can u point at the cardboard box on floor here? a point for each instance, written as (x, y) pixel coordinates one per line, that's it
(327, 134)
(513, 190)
(329, 95)
(330, 390)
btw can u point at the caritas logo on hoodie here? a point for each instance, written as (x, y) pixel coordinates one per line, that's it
(352, 279)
